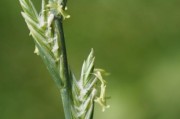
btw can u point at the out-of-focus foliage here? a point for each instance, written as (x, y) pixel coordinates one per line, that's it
(137, 41)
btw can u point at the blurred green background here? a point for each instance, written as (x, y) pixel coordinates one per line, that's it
(137, 41)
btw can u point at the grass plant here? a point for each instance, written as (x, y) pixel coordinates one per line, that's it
(46, 28)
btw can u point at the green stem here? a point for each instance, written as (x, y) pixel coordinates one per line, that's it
(63, 48)
(66, 90)
(63, 51)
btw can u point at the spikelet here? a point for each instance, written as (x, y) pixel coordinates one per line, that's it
(85, 91)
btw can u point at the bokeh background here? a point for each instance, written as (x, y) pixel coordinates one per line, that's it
(137, 41)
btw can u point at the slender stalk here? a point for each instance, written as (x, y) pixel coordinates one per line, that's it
(63, 50)
(59, 22)
(66, 90)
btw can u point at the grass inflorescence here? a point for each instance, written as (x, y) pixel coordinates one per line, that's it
(46, 28)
